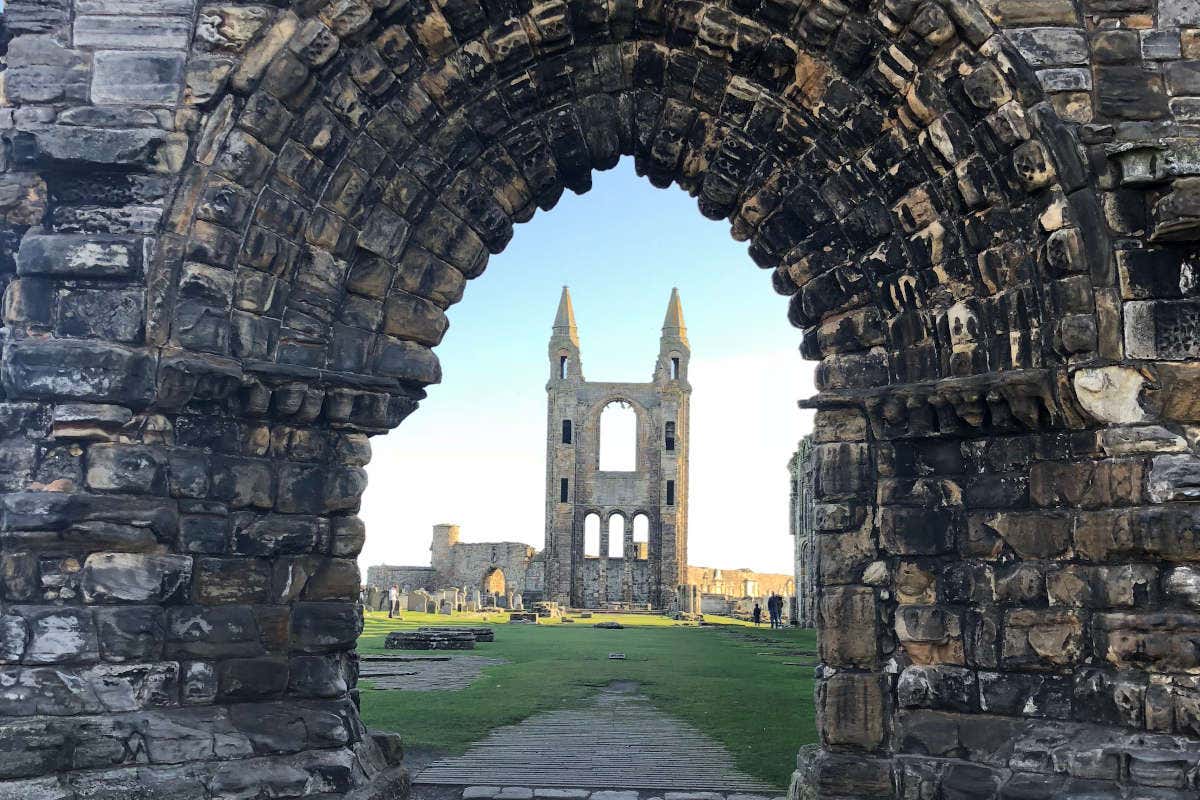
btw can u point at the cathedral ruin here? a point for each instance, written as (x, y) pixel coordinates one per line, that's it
(620, 567)
(657, 487)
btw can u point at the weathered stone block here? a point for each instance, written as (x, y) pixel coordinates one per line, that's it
(852, 709)
(252, 678)
(1130, 92)
(916, 531)
(943, 687)
(133, 32)
(134, 633)
(59, 635)
(222, 581)
(1161, 641)
(1174, 477)
(930, 634)
(136, 78)
(851, 641)
(129, 468)
(1040, 535)
(80, 255)
(1050, 46)
(135, 578)
(277, 534)
(1035, 639)
(79, 370)
(325, 627)
(198, 632)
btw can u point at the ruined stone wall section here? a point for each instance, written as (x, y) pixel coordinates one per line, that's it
(230, 233)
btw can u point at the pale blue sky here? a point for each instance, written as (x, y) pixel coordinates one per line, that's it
(474, 453)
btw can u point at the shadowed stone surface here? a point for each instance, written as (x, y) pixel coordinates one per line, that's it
(985, 216)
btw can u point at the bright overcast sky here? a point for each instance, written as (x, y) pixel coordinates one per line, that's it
(474, 452)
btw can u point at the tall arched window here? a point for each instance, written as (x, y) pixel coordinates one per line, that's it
(669, 436)
(591, 535)
(618, 437)
(562, 366)
(616, 536)
(641, 536)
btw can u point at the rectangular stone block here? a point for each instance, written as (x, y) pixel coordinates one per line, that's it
(1173, 478)
(94, 255)
(1167, 641)
(111, 314)
(1171, 533)
(133, 77)
(135, 578)
(137, 469)
(1130, 92)
(59, 635)
(1013, 13)
(221, 581)
(325, 627)
(841, 470)
(1030, 535)
(931, 634)
(852, 710)
(134, 32)
(1041, 640)
(131, 633)
(78, 370)
(916, 531)
(848, 620)
(216, 632)
(1049, 47)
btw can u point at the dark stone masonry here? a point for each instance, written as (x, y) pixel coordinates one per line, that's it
(229, 233)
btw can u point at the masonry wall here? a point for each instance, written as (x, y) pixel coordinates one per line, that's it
(230, 235)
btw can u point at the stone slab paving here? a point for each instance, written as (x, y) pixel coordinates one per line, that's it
(619, 742)
(424, 673)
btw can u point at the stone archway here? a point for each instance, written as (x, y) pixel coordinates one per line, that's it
(233, 232)
(493, 582)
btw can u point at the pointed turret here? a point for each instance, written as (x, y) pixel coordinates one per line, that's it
(674, 351)
(673, 327)
(564, 320)
(564, 342)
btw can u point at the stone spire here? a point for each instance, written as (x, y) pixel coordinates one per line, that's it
(673, 326)
(564, 320)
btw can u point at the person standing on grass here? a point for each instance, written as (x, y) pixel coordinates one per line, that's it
(776, 611)
(393, 601)
(757, 615)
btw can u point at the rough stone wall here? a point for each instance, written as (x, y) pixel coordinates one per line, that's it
(465, 565)
(577, 488)
(802, 504)
(230, 233)
(384, 576)
(470, 564)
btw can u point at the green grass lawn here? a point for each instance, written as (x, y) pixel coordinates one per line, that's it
(733, 681)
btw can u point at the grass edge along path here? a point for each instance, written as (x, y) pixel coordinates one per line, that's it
(743, 686)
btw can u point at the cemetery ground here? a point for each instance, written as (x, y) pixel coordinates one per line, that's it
(749, 688)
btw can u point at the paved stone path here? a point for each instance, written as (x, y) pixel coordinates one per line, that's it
(423, 673)
(619, 742)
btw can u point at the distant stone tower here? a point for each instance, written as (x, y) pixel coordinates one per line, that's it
(576, 488)
(445, 536)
